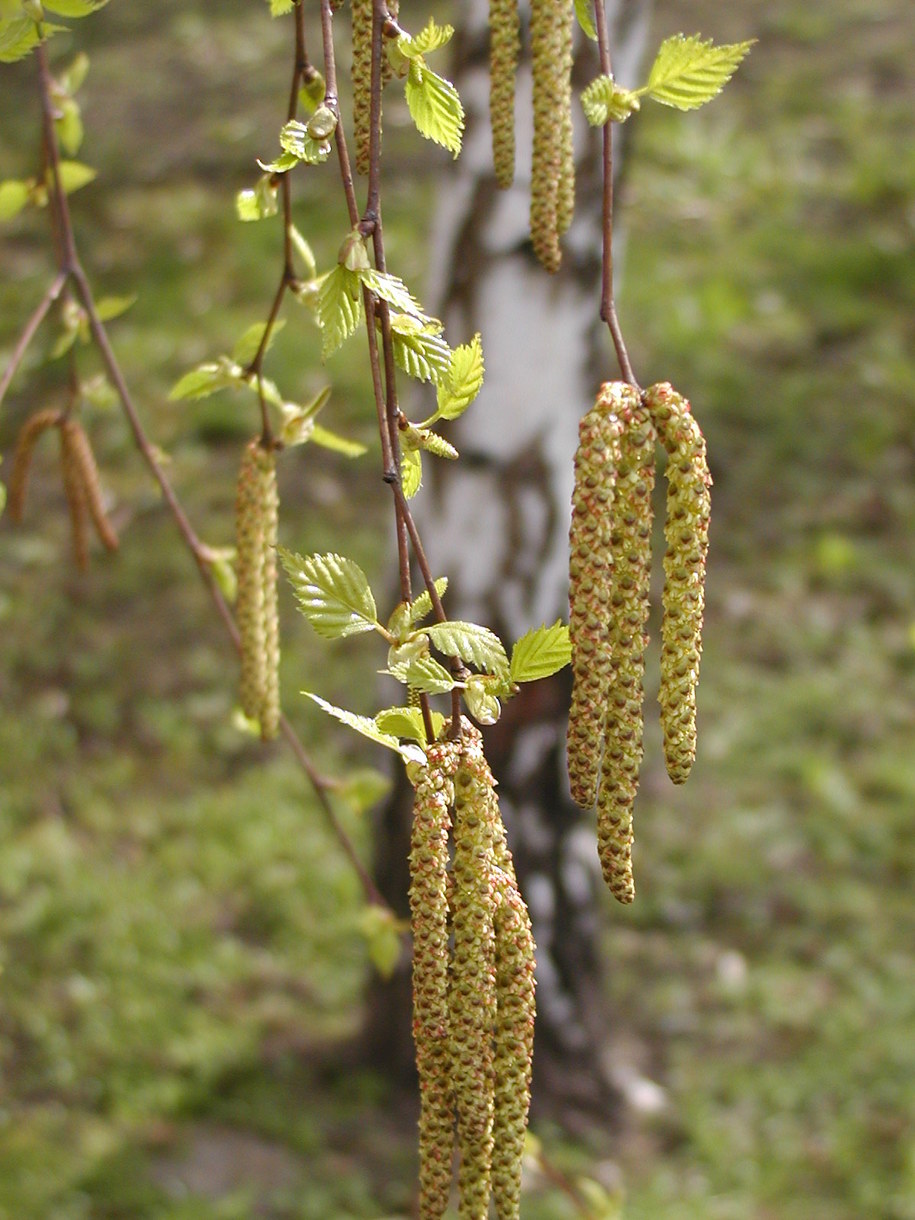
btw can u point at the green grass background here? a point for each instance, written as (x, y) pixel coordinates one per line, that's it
(179, 933)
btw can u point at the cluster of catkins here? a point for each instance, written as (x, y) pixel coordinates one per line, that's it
(609, 577)
(80, 478)
(473, 985)
(256, 507)
(552, 169)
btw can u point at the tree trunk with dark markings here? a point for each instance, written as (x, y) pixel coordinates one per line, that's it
(497, 524)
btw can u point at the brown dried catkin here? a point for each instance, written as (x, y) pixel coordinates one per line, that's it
(504, 50)
(434, 796)
(75, 491)
(84, 459)
(256, 605)
(631, 547)
(686, 532)
(24, 448)
(590, 582)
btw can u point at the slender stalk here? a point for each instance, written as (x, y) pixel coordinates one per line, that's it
(53, 291)
(71, 270)
(607, 303)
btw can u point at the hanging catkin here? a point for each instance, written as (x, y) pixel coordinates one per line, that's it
(565, 203)
(504, 49)
(84, 460)
(590, 582)
(547, 64)
(631, 546)
(513, 1043)
(256, 605)
(434, 784)
(686, 532)
(362, 81)
(26, 440)
(75, 491)
(473, 978)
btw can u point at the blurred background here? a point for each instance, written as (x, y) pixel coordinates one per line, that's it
(183, 945)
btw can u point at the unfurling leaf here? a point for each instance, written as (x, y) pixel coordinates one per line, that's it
(419, 671)
(73, 175)
(304, 142)
(430, 39)
(604, 101)
(472, 643)
(339, 444)
(419, 348)
(206, 379)
(688, 72)
(339, 307)
(112, 307)
(74, 8)
(383, 932)
(465, 378)
(392, 289)
(333, 593)
(541, 652)
(259, 203)
(407, 722)
(411, 472)
(482, 704)
(368, 728)
(422, 606)
(14, 195)
(584, 13)
(435, 107)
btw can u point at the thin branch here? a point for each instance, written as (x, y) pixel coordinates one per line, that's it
(74, 270)
(28, 333)
(607, 303)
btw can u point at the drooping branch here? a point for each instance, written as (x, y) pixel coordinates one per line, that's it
(71, 272)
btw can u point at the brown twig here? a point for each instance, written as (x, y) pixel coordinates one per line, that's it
(72, 270)
(607, 303)
(28, 333)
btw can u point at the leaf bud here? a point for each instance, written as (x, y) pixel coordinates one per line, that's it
(322, 124)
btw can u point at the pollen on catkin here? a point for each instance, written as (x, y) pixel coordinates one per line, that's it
(24, 448)
(631, 547)
(75, 491)
(256, 603)
(434, 796)
(472, 997)
(590, 582)
(686, 532)
(362, 81)
(84, 460)
(549, 88)
(504, 50)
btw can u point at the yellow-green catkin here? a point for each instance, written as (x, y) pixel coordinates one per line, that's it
(686, 532)
(504, 49)
(387, 70)
(547, 66)
(362, 82)
(434, 796)
(256, 603)
(24, 448)
(472, 997)
(513, 1044)
(270, 710)
(590, 582)
(565, 202)
(631, 546)
(75, 491)
(84, 459)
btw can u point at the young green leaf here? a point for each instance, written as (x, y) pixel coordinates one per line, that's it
(688, 72)
(430, 39)
(304, 251)
(14, 195)
(422, 606)
(392, 289)
(18, 36)
(298, 141)
(279, 7)
(419, 348)
(541, 652)
(259, 203)
(112, 307)
(339, 444)
(69, 125)
(435, 107)
(383, 933)
(604, 101)
(472, 643)
(206, 379)
(422, 672)
(71, 79)
(407, 722)
(74, 8)
(333, 593)
(339, 307)
(411, 472)
(584, 13)
(74, 175)
(368, 728)
(464, 380)
(246, 348)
